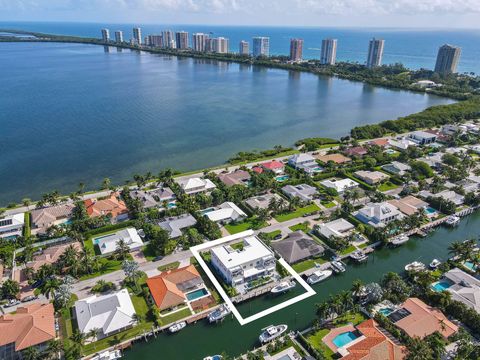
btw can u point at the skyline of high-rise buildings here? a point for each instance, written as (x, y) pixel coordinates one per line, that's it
(328, 55)
(105, 35)
(375, 52)
(181, 39)
(296, 49)
(220, 45)
(198, 41)
(261, 46)
(137, 35)
(447, 59)
(244, 48)
(119, 36)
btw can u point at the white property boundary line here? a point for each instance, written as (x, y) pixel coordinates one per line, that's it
(196, 252)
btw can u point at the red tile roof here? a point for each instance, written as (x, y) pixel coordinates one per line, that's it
(257, 169)
(31, 325)
(111, 206)
(375, 345)
(356, 151)
(272, 165)
(164, 288)
(379, 142)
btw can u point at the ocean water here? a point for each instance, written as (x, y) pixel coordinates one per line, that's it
(415, 48)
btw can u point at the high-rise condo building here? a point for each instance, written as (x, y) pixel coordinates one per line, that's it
(375, 52)
(209, 44)
(182, 39)
(198, 41)
(220, 45)
(329, 52)
(296, 49)
(137, 35)
(105, 35)
(119, 36)
(447, 59)
(244, 48)
(261, 46)
(155, 40)
(169, 39)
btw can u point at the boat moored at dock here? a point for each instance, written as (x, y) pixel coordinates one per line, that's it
(399, 240)
(108, 355)
(415, 266)
(272, 332)
(318, 276)
(338, 266)
(284, 286)
(177, 327)
(219, 313)
(435, 264)
(452, 220)
(359, 256)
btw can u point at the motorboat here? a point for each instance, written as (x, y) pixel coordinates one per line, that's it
(452, 220)
(108, 355)
(338, 266)
(213, 357)
(284, 286)
(219, 313)
(399, 240)
(318, 276)
(435, 264)
(177, 327)
(272, 332)
(415, 266)
(358, 256)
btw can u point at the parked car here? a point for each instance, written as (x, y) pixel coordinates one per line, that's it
(160, 257)
(11, 302)
(29, 298)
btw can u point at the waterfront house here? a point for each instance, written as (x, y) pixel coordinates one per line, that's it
(422, 137)
(195, 185)
(409, 205)
(340, 185)
(448, 195)
(297, 246)
(371, 177)
(418, 319)
(11, 226)
(111, 207)
(463, 287)
(171, 288)
(224, 213)
(238, 177)
(29, 326)
(174, 225)
(397, 168)
(304, 162)
(378, 214)
(107, 314)
(373, 342)
(245, 260)
(337, 228)
(42, 219)
(154, 197)
(401, 143)
(263, 201)
(357, 151)
(335, 158)
(302, 191)
(275, 166)
(108, 243)
(383, 143)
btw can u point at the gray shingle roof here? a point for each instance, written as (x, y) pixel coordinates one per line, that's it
(297, 246)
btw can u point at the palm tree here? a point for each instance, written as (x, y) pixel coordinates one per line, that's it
(54, 349)
(137, 318)
(455, 248)
(78, 339)
(49, 287)
(122, 249)
(357, 287)
(92, 336)
(31, 353)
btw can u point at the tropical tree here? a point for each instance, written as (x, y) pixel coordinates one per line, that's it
(10, 289)
(54, 349)
(419, 350)
(132, 272)
(78, 340)
(122, 249)
(50, 286)
(31, 353)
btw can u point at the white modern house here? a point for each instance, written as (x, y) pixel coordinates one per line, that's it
(243, 260)
(401, 144)
(336, 228)
(305, 162)
(340, 185)
(304, 192)
(422, 137)
(396, 167)
(196, 185)
(175, 225)
(11, 226)
(108, 243)
(378, 214)
(224, 213)
(108, 314)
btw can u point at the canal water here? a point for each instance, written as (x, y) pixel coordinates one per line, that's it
(202, 339)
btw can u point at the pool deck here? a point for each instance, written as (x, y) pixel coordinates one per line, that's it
(328, 339)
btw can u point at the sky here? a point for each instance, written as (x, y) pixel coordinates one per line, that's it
(445, 14)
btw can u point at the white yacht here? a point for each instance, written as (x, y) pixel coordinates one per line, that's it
(415, 266)
(452, 220)
(358, 256)
(435, 264)
(284, 286)
(399, 240)
(318, 276)
(272, 332)
(338, 266)
(219, 313)
(177, 327)
(108, 355)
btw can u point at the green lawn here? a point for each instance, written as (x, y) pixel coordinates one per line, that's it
(175, 316)
(387, 186)
(171, 266)
(307, 264)
(316, 342)
(148, 253)
(107, 266)
(271, 235)
(251, 223)
(348, 250)
(302, 226)
(328, 204)
(297, 213)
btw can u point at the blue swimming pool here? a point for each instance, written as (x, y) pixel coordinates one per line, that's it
(282, 178)
(196, 294)
(207, 210)
(385, 311)
(429, 210)
(470, 265)
(344, 338)
(95, 241)
(441, 286)
(171, 205)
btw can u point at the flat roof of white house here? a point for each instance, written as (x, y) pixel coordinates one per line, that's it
(194, 183)
(253, 249)
(339, 225)
(108, 313)
(339, 185)
(108, 243)
(12, 220)
(227, 210)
